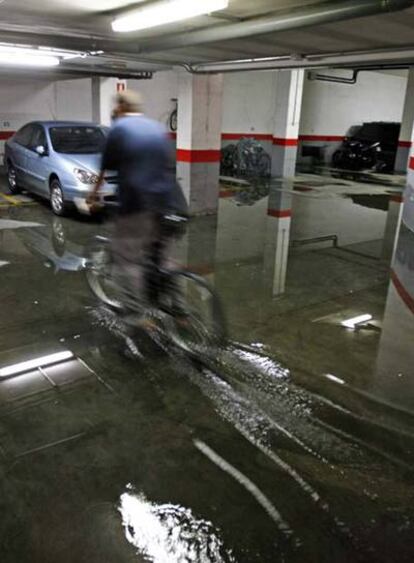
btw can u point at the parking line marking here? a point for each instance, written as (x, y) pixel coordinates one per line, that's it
(10, 199)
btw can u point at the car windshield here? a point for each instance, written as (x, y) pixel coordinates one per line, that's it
(77, 140)
(383, 132)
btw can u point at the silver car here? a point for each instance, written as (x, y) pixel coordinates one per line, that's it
(58, 160)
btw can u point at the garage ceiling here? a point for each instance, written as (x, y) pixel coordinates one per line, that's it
(85, 25)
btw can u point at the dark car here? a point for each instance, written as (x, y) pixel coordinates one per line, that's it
(371, 146)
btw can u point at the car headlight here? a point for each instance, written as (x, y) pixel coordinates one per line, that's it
(85, 176)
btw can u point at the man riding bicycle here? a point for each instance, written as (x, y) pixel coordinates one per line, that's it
(138, 149)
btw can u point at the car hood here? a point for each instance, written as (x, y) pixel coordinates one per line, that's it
(91, 162)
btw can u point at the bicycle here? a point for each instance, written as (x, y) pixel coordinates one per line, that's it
(180, 305)
(173, 118)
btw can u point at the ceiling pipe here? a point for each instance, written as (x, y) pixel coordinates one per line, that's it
(317, 14)
(351, 59)
(336, 79)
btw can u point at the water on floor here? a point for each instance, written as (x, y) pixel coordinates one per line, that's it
(293, 443)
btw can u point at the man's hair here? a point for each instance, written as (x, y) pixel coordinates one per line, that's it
(130, 101)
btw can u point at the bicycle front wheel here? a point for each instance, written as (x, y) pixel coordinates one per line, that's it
(198, 320)
(100, 275)
(174, 121)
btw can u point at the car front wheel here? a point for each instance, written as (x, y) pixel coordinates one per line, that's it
(12, 179)
(59, 207)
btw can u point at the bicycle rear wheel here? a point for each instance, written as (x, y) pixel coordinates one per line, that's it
(198, 320)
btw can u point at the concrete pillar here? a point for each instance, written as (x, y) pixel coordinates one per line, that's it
(404, 143)
(199, 139)
(104, 91)
(289, 93)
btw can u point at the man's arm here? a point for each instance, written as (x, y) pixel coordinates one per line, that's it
(93, 194)
(108, 163)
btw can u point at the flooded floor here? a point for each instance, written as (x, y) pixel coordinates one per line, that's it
(294, 443)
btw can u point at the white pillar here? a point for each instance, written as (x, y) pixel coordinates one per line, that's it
(276, 254)
(277, 238)
(408, 200)
(404, 143)
(392, 226)
(394, 381)
(289, 94)
(104, 91)
(199, 139)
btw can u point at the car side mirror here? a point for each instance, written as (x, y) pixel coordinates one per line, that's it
(41, 150)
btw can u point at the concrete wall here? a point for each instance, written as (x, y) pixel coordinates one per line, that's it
(248, 106)
(329, 110)
(73, 99)
(23, 100)
(157, 94)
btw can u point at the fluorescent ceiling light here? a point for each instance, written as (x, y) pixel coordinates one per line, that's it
(44, 361)
(355, 321)
(164, 12)
(24, 56)
(24, 60)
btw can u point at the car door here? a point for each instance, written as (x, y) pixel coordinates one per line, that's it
(19, 152)
(37, 165)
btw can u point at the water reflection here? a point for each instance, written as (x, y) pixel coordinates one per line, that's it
(55, 246)
(169, 533)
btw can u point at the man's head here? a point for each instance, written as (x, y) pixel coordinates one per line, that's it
(128, 101)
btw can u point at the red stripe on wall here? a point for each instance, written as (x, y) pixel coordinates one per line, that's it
(411, 163)
(405, 144)
(4, 135)
(279, 213)
(402, 292)
(285, 142)
(397, 198)
(184, 155)
(282, 141)
(326, 138)
(238, 136)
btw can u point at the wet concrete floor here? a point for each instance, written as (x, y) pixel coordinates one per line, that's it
(295, 443)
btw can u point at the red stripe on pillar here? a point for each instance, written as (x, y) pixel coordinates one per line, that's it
(4, 135)
(326, 138)
(238, 136)
(411, 163)
(397, 198)
(279, 213)
(405, 144)
(184, 155)
(226, 193)
(402, 292)
(285, 142)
